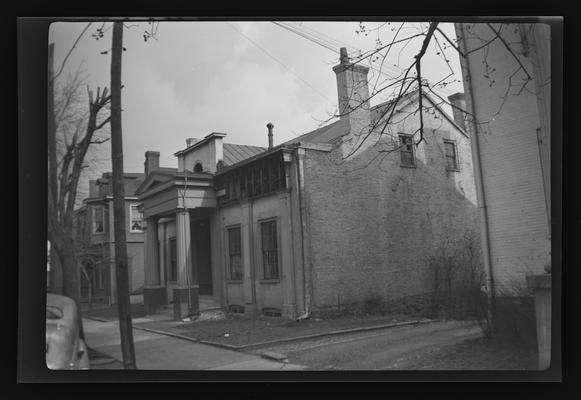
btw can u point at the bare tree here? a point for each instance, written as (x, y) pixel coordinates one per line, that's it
(411, 81)
(74, 121)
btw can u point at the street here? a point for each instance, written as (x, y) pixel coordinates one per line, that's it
(392, 348)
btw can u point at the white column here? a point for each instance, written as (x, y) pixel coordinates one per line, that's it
(151, 254)
(184, 250)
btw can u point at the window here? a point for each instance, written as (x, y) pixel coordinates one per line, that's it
(136, 220)
(198, 167)
(98, 220)
(173, 260)
(235, 254)
(406, 151)
(269, 250)
(451, 155)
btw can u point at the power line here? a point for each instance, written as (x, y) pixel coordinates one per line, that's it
(334, 45)
(278, 61)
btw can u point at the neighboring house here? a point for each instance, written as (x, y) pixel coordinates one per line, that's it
(309, 224)
(511, 145)
(96, 239)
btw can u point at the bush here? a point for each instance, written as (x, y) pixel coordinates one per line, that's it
(458, 281)
(373, 305)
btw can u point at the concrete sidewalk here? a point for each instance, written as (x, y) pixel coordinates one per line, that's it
(162, 352)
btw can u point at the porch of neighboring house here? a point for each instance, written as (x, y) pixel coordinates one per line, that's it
(180, 271)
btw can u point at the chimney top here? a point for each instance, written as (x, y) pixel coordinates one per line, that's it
(343, 57)
(191, 141)
(151, 161)
(270, 126)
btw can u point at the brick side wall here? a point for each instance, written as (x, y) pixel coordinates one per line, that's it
(373, 227)
(513, 187)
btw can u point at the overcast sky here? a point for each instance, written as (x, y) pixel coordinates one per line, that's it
(233, 77)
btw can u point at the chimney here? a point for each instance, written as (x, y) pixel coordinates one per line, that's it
(352, 86)
(458, 101)
(354, 112)
(93, 189)
(191, 141)
(270, 126)
(151, 161)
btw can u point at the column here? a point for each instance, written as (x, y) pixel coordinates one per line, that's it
(185, 295)
(287, 268)
(247, 236)
(153, 292)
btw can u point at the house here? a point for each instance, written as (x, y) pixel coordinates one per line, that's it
(320, 221)
(96, 239)
(511, 131)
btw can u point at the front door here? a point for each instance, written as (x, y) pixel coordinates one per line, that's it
(202, 265)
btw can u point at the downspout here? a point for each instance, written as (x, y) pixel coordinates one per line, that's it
(475, 146)
(306, 277)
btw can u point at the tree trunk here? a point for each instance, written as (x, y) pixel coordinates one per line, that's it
(122, 273)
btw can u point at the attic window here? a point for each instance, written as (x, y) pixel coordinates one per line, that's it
(406, 150)
(198, 167)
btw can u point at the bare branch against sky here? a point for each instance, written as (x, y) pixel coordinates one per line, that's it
(201, 77)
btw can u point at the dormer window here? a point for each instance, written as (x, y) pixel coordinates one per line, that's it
(198, 167)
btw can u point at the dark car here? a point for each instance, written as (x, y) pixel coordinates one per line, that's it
(65, 349)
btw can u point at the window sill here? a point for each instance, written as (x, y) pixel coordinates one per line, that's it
(408, 166)
(453, 169)
(234, 281)
(269, 281)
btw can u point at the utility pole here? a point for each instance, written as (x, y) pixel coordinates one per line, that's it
(121, 268)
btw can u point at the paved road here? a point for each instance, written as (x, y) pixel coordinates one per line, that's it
(393, 348)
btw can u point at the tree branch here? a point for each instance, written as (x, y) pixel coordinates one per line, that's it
(70, 51)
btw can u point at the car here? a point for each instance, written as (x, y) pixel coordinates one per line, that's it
(65, 349)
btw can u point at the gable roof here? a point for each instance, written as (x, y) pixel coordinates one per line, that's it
(330, 133)
(325, 134)
(234, 153)
(163, 175)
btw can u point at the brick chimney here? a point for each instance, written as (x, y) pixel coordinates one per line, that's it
(458, 101)
(270, 126)
(93, 188)
(353, 96)
(191, 141)
(151, 161)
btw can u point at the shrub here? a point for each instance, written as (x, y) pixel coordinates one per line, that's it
(458, 281)
(373, 305)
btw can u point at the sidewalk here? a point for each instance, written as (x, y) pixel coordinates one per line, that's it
(162, 352)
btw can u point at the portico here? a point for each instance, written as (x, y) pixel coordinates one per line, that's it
(179, 209)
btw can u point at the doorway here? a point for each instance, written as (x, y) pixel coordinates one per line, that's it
(201, 254)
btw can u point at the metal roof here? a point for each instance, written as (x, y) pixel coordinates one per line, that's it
(234, 153)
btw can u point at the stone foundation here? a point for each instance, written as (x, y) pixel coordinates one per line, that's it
(153, 299)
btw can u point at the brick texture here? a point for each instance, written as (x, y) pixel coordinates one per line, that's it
(374, 223)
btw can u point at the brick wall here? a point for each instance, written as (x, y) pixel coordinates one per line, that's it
(513, 186)
(373, 227)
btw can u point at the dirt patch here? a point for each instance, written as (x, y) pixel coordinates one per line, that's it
(241, 331)
(477, 354)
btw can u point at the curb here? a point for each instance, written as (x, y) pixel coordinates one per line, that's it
(284, 340)
(318, 335)
(167, 334)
